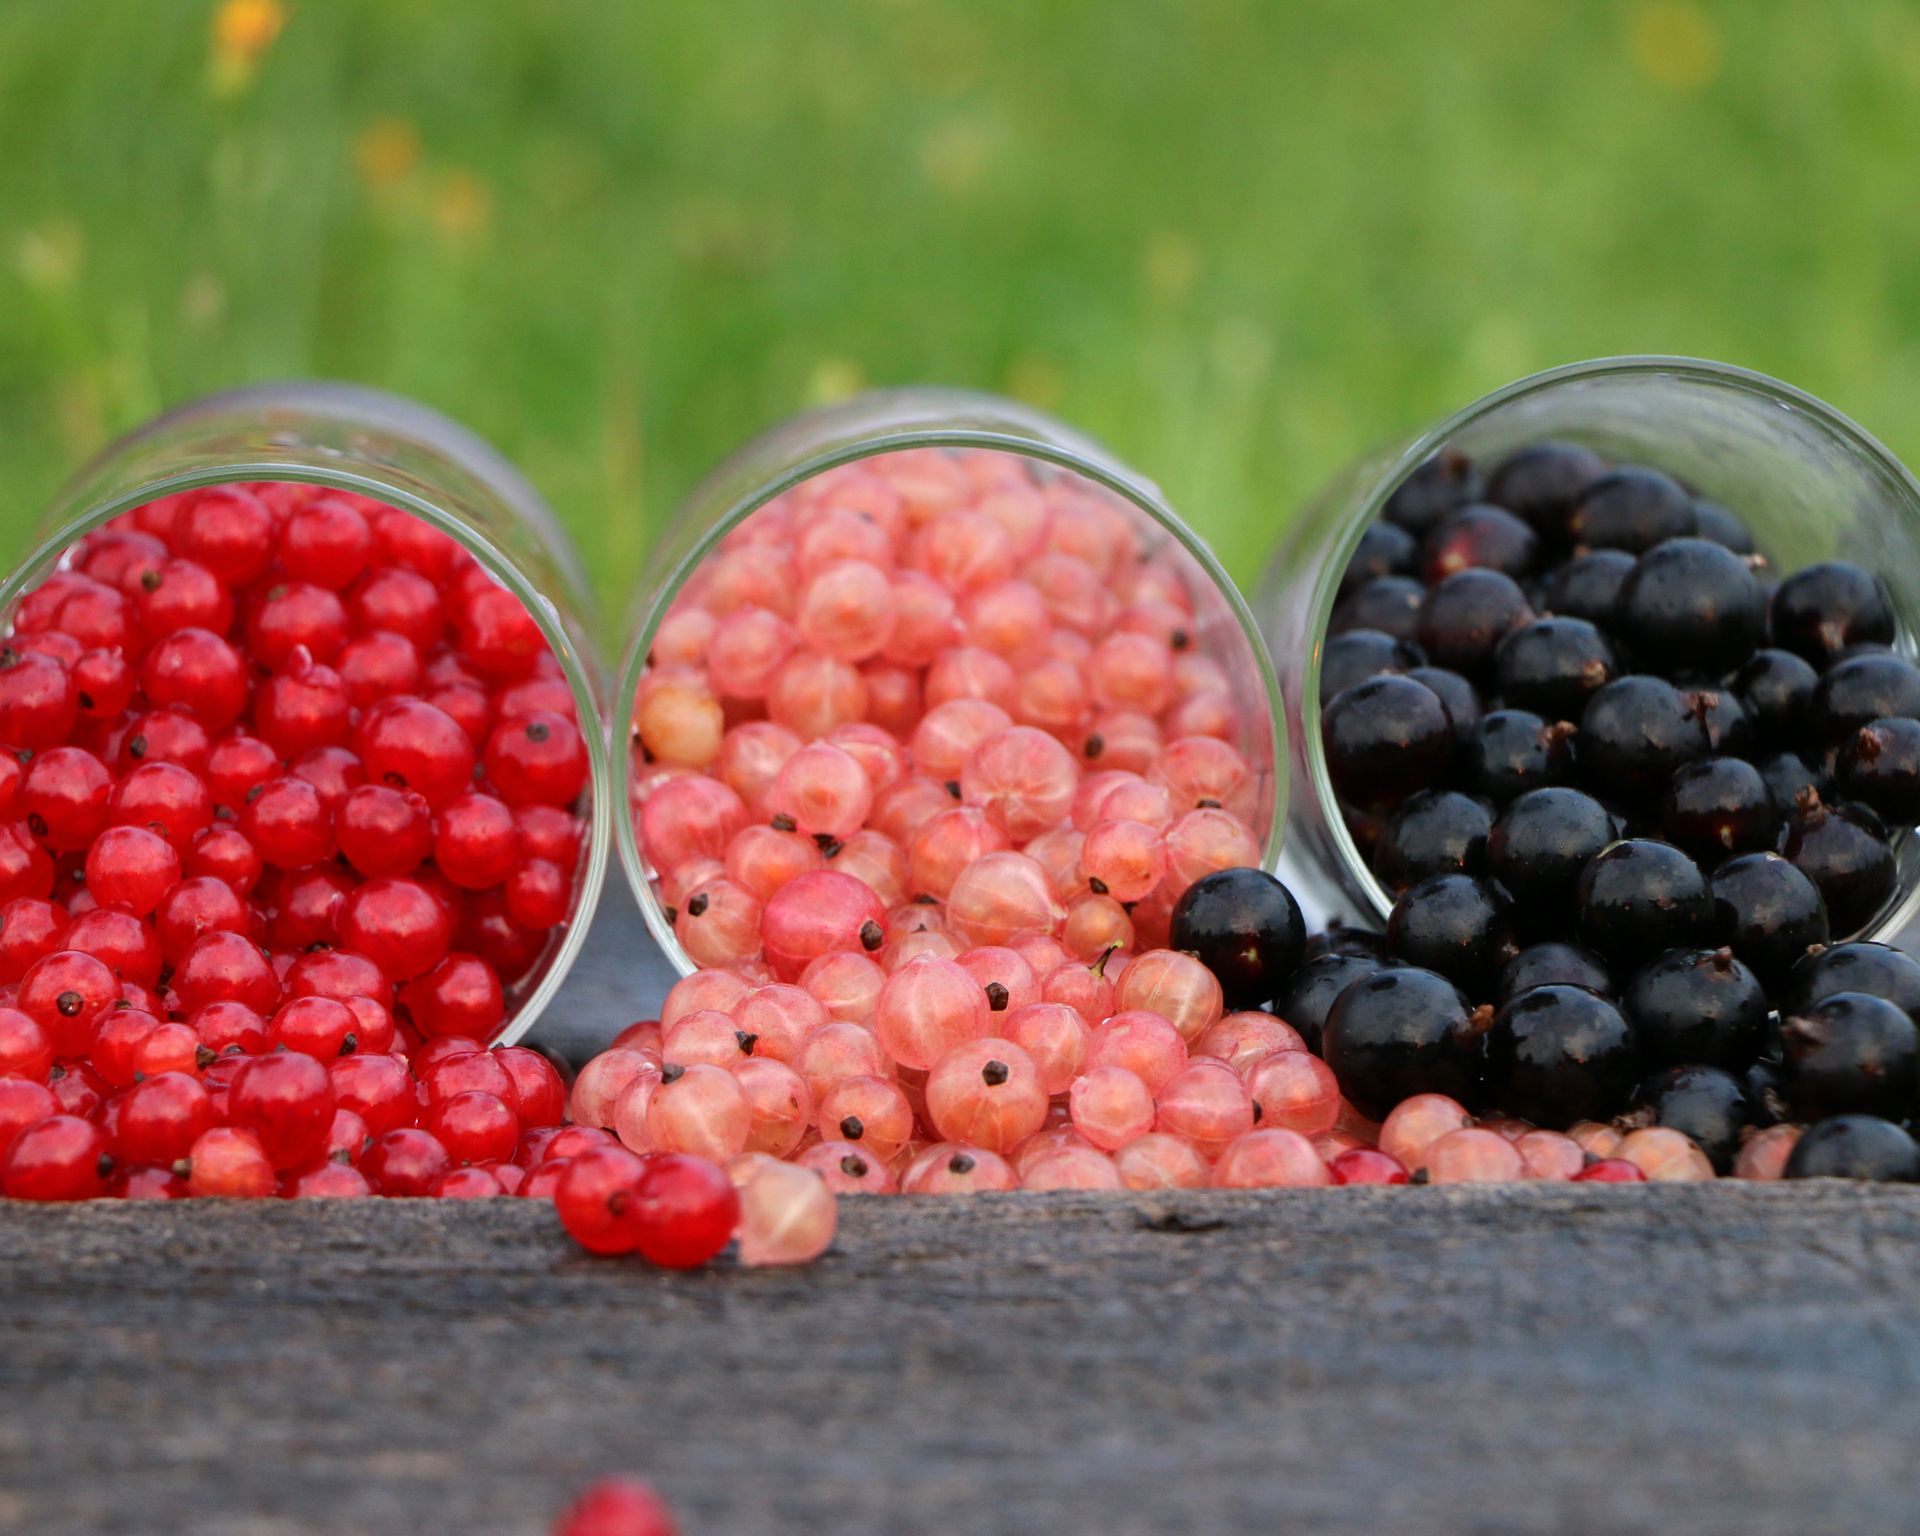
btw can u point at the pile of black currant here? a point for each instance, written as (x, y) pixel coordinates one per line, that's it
(1627, 785)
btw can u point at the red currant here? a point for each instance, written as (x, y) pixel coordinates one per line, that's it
(194, 669)
(161, 1118)
(120, 941)
(60, 1158)
(30, 928)
(25, 1050)
(315, 1026)
(38, 700)
(330, 1181)
(339, 974)
(308, 907)
(287, 822)
(227, 529)
(230, 1163)
(296, 616)
(399, 924)
(377, 666)
(131, 867)
(65, 797)
(23, 1103)
(223, 967)
(104, 683)
(402, 601)
(62, 993)
(286, 1100)
(475, 843)
(404, 1162)
(618, 1506)
(166, 799)
(539, 895)
(146, 1184)
(377, 1089)
(228, 1026)
(538, 759)
(598, 1199)
(459, 996)
(165, 736)
(327, 541)
(540, 1094)
(305, 706)
(173, 595)
(196, 905)
(225, 854)
(384, 831)
(686, 1210)
(474, 1127)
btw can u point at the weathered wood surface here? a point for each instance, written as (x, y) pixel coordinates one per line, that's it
(1564, 1360)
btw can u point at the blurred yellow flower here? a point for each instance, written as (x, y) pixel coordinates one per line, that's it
(462, 205)
(387, 152)
(834, 378)
(243, 30)
(1674, 43)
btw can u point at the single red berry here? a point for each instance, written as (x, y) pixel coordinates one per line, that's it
(38, 700)
(171, 595)
(572, 1140)
(23, 1103)
(617, 1506)
(164, 798)
(687, 1210)
(399, 600)
(1364, 1165)
(286, 1100)
(293, 616)
(487, 930)
(194, 669)
(120, 941)
(59, 1158)
(408, 744)
(469, 1183)
(373, 1025)
(377, 1089)
(475, 843)
(538, 759)
(227, 529)
(229, 1026)
(327, 541)
(13, 773)
(161, 1118)
(497, 635)
(466, 703)
(164, 736)
(25, 869)
(540, 1094)
(404, 1162)
(131, 867)
(62, 993)
(330, 1181)
(25, 1050)
(197, 905)
(535, 695)
(404, 539)
(223, 853)
(65, 797)
(230, 1163)
(474, 1127)
(539, 895)
(80, 1091)
(543, 1181)
(305, 706)
(104, 683)
(468, 1072)
(598, 1199)
(548, 832)
(398, 924)
(288, 824)
(378, 665)
(439, 1048)
(459, 996)
(30, 928)
(384, 831)
(226, 966)
(94, 615)
(314, 1026)
(340, 974)
(167, 1047)
(1610, 1170)
(348, 1136)
(116, 1043)
(236, 765)
(307, 908)
(146, 1184)
(335, 771)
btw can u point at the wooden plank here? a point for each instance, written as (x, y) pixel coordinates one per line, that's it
(1555, 1359)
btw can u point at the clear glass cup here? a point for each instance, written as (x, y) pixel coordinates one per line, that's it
(917, 420)
(368, 443)
(1811, 484)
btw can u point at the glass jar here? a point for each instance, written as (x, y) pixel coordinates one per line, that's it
(1808, 482)
(953, 435)
(367, 444)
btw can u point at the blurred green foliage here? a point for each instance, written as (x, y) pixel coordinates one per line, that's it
(1240, 240)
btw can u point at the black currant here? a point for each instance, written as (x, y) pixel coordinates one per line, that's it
(1557, 1055)
(1551, 963)
(1553, 666)
(1690, 606)
(1399, 1032)
(1459, 695)
(1843, 849)
(1638, 898)
(1539, 846)
(1308, 997)
(1466, 616)
(1511, 751)
(1632, 509)
(1820, 610)
(1246, 928)
(1768, 913)
(1722, 717)
(1719, 806)
(1879, 970)
(1855, 1147)
(1635, 733)
(1699, 1005)
(1715, 522)
(1390, 604)
(1776, 687)
(1436, 832)
(1384, 739)
(1880, 767)
(1478, 536)
(1701, 1102)
(1385, 549)
(1860, 690)
(1436, 486)
(1543, 482)
(1453, 924)
(1788, 777)
(1351, 658)
(1588, 586)
(1851, 1053)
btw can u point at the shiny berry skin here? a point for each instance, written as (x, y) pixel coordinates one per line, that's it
(1820, 610)
(406, 743)
(1697, 1005)
(1851, 1054)
(1879, 970)
(1385, 549)
(1510, 752)
(222, 967)
(1855, 1147)
(1769, 914)
(1610, 1170)
(1398, 1032)
(597, 1200)
(287, 823)
(1538, 847)
(1880, 768)
(1788, 776)
(30, 930)
(398, 924)
(1552, 963)
(537, 759)
(286, 1101)
(474, 1127)
(1433, 832)
(1456, 925)
(1843, 849)
(314, 1026)
(1638, 898)
(404, 1163)
(1543, 482)
(1716, 807)
(1309, 995)
(1557, 1055)
(64, 797)
(1776, 687)
(25, 1050)
(1632, 509)
(1351, 658)
(1703, 1103)
(59, 1158)
(1384, 739)
(63, 993)
(1690, 605)
(166, 799)
(1860, 690)
(1465, 617)
(617, 1506)
(131, 867)
(161, 1118)
(38, 700)
(1437, 486)
(1366, 1165)
(1390, 604)
(460, 996)
(1246, 928)
(1634, 733)
(196, 671)
(539, 1094)
(1588, 586)
(1553, 666)
(384, 831)
(1478, 536)
(475, 842)
(686, 1211)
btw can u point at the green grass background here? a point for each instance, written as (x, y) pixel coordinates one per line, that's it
(1240, 240)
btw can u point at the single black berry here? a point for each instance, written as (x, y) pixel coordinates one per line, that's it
(1860, 690)
(1384, 739)
(1879, 970)
(1769, 914)
(1715, 522)
(1246, 928)
(1634, 733)
(1843, 849)
(1820, 610)
(1436, 487)
(1788, 777)
(1512, 751)
(1718, 806)
(1352, 658)
(1776, 687)
(1453, 924)
(1638, 898)
(1553, 964)
(1539, 846)
(1478, 536)
(1880, 767)
(1464, 617)
(1632, 509)
(1723, 717)
(1460, 696)
(1702, 1102)
(1399, 1032)
(1309, 995)
(1588, 586)
(1851, 1054)
(1553, 666)
(1855, 1147)
(1390, 604)
(1699, 1005)
(1435, 832)
(1690, 605)
(1559, 1054)
(1543, 482)
(1385, 549)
